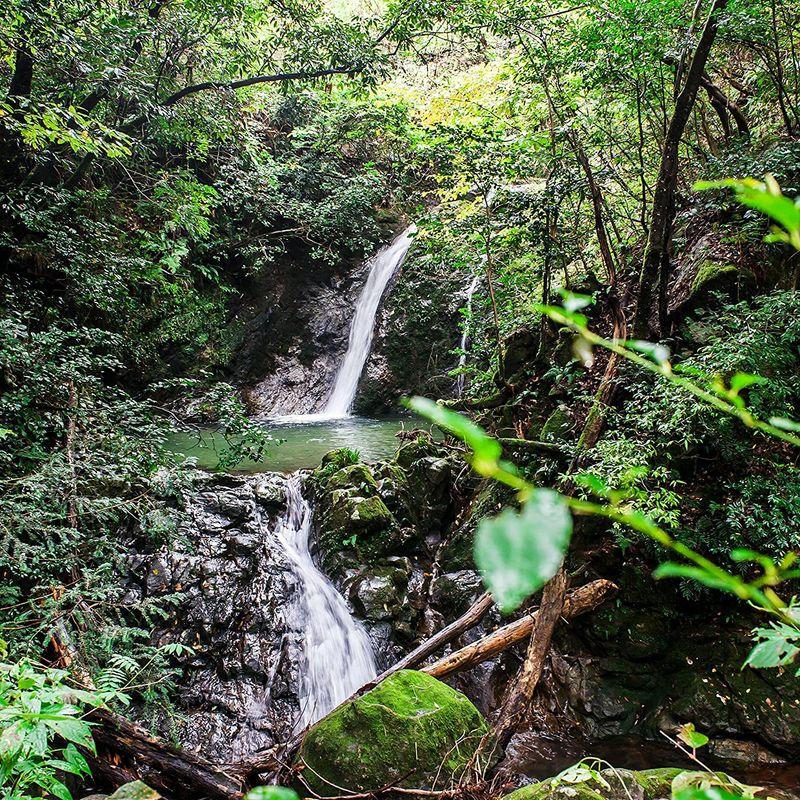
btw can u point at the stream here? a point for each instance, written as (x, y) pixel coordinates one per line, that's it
(281, 647)
(300, 443)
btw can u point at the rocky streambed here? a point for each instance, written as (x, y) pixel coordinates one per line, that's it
(394, 538)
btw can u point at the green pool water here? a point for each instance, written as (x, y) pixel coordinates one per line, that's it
(304, 442)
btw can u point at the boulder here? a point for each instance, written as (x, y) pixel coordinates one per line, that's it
(454, 592)
(270, 491)
(411, 731)
(377, 595)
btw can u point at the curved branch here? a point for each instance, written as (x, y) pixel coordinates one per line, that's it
(176, 97)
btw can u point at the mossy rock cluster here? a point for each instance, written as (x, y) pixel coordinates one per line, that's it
(614, 784)
(411, 731)
(384, 509)
(352, 512)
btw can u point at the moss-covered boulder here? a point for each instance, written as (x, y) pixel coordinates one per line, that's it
(557, 427)
(411, 731)
(610, 784)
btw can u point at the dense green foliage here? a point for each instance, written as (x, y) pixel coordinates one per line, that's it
(163, 162)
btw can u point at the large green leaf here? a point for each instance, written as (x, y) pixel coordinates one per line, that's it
(73, 730)
(517, 552)
(709, 793)
(778, 647)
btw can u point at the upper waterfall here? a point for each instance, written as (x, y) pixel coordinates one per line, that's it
(383, 265)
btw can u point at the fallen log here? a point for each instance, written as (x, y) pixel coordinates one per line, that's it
(519, 693)
(534, 446)
(126, 751)
(577, 602)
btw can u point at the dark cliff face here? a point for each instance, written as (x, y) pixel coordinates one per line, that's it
(238, 690)
(295, 326)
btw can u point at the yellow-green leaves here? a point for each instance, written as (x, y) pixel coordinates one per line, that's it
(271, 793)
(517, 552)
(767, 198)
(691, 737)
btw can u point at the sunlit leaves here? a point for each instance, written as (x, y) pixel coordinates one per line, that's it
(691, 737)
(517, 552)
(767, 198)
(42, 125)
(709, 793)
(708, 785)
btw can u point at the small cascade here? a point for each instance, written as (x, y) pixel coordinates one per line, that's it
(383, 266)
(462, 359)
(336, 656)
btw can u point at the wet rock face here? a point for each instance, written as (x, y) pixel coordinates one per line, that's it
(654, 661)
(293, 330)
(237, 693)
(298, 376)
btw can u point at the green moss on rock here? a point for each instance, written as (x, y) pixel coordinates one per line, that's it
(657, 782)
(354, 477)
(557, 428)
(411, 730)
(709, 273)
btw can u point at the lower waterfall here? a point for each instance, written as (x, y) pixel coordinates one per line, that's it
(337, 656)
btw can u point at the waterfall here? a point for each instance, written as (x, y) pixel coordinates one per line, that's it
(383, 266)
(337, 656)
(462, 359)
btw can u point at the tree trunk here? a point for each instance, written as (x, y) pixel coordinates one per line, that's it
(578, 601)
(520, 693)
(651, 306)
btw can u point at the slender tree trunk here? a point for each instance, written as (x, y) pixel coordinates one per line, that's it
(520, 693)
(22, 79)
(19, 89)
(651, 307)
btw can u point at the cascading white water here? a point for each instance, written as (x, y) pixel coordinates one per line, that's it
(383, 266)
(462, 359)
(337, 656)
